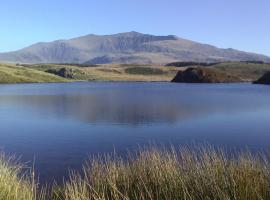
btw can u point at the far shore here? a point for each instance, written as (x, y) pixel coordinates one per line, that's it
(66, 73)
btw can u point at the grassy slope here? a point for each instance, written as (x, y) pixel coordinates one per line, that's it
(137, 73)
(246, 71)
(15, 74)
(117, 72)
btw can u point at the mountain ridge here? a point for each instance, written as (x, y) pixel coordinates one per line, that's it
(126, 48)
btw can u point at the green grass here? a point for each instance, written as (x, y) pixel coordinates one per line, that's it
(153, 173)
(15, 74)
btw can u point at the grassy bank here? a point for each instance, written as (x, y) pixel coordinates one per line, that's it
(10, 73)
(157, 174)
(38, 73)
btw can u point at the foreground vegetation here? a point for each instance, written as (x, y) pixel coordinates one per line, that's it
(203, 173)
(16, 182)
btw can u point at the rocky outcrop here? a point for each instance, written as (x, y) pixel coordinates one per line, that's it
(265, 79)
(63, 72)
(204, 75)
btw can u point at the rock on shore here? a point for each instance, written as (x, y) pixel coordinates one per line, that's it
(204, 75)
(265, 79)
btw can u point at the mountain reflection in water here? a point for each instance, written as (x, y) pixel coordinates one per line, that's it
(129, 108)
(60, 125)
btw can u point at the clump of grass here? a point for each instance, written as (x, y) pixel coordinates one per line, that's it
(200, 174)
(15, 184)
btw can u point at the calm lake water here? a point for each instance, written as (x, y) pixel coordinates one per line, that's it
(58, 126)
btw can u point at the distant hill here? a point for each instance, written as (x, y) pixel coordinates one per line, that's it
(126, 48)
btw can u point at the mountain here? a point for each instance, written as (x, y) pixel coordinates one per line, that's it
(130, 47)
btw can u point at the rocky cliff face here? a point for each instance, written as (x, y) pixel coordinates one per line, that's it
(131, 47)
(204, 75)
(265, 79)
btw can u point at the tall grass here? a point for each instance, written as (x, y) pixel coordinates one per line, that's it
(15, 182)
(199, 174)
(153, 174)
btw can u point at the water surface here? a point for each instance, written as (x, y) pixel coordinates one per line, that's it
(60, 125)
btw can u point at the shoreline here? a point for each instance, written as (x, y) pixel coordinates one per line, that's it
(49, 73)
(125, 81)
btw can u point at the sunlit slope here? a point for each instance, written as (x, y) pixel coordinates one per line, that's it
(16, 74)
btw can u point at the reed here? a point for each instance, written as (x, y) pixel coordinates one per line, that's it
(17, 182)
(200, 174)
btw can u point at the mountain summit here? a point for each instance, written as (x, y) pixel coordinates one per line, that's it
(130, 47)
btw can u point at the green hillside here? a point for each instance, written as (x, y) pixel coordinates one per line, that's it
(10, 73)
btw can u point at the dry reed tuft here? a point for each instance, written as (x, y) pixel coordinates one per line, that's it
(204, 173)
(17, 182)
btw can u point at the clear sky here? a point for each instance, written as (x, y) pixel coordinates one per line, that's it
(240, 24)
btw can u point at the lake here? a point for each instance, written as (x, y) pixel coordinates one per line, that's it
(58, 126)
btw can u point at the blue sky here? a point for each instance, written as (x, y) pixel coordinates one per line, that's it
(241, 24)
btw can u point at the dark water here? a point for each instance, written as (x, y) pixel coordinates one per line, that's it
(60, 125)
